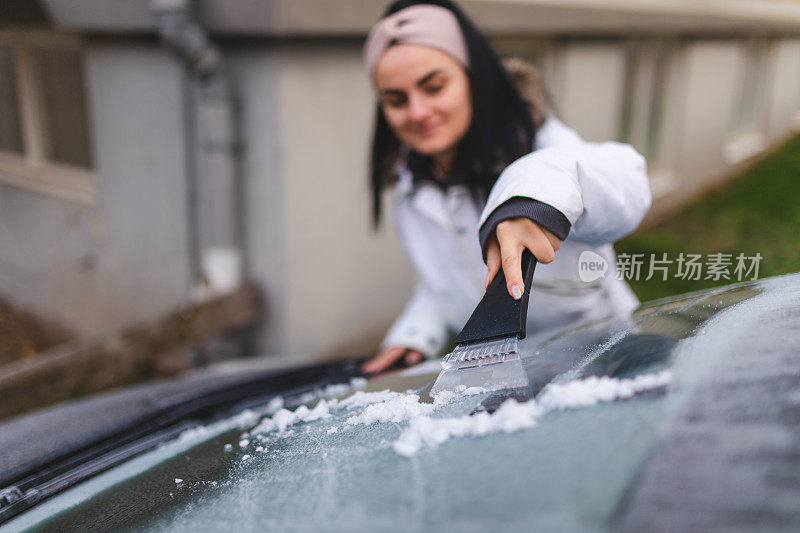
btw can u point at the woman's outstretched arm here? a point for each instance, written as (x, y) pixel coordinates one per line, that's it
(592, 192)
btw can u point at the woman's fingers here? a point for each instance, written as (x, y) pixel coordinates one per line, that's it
(388, 357)
(413, 357)
(492, 260)
(555, 242)
(384, 360)
(513, 236)
(511, 260)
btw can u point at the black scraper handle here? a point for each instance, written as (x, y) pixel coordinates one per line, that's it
(498, 314)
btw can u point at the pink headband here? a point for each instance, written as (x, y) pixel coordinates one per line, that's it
(423, 24)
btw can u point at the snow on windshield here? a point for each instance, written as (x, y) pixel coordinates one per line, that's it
(424, 429)
(378, 460)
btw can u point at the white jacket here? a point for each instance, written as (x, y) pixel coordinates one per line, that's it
(601, 188)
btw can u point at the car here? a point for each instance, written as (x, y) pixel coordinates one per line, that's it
(682, 417)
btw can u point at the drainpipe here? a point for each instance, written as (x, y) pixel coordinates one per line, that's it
(216, 224)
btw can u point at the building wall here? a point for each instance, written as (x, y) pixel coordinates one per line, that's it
(708, 98)
(783, 83)
(588, 88)
(123, 258)
(256, 73)
(343, 282)
(694, 106)
(330, 283)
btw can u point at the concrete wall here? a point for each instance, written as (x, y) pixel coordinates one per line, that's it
(695, 107)
(782, 93)
(344, 281)
(257, 75)
(329, 280)
(588, 88)
(125, 257)
(708, 97)
(722, 103)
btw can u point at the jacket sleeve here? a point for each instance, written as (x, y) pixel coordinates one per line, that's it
(421, 326)
(601, 189)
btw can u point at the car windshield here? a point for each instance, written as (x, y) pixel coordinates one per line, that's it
(390, 458)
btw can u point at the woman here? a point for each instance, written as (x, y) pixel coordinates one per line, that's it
(481, 174)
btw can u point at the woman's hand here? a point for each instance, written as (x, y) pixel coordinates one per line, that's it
(390, 356)
(505, 248)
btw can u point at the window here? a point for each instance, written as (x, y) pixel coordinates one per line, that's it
(44, 130)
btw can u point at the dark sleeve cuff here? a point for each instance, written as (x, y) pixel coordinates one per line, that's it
(543, 214)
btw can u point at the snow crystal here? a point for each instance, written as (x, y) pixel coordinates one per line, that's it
(285, 418)
(361, 398)
(248, 417)
(593, 390)
(447, 396)
(337, 389)
(321, 410)
(192, 434)
(382, 406)
(513, 416)
(340, 389)
(397, 409)
(228, 447)
(246, 457)
(358, 383)
(178, 480)
(275, 405)
(426, 431)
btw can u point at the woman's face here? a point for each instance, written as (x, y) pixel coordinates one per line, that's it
(425, 97)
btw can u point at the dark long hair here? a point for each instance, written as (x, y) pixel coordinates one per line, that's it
(501, 130)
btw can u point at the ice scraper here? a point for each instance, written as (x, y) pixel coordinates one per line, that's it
(487, 349)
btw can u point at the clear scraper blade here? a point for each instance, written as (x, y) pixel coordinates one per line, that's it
(493, 364)
(484, 353)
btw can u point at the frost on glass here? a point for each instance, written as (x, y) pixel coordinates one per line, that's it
(389, 461)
